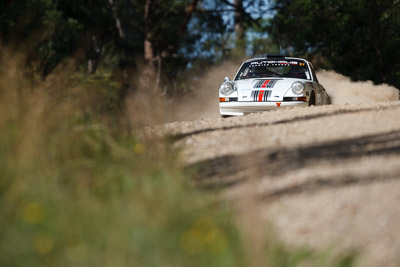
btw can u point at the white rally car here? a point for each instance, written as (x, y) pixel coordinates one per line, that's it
(270, 83)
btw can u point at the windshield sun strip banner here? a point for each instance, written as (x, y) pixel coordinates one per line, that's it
(275, 63)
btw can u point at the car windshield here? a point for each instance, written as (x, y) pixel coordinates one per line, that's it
(274, 68)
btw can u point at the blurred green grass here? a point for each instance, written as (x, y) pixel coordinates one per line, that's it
(78, 189)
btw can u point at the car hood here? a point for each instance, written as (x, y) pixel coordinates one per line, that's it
(265, 89)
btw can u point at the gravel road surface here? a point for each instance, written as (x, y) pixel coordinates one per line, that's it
(323, 176)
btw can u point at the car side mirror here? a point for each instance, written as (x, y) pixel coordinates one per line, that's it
(226, 79)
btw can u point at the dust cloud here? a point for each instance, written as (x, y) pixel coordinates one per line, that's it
(342, 90)
(148, 107)
(202, 103)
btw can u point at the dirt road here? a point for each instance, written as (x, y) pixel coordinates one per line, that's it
(323, 176)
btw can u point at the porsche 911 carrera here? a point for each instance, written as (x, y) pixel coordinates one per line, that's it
(269, 83)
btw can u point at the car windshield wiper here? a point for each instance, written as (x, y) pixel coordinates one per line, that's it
(264, 75)
(275, 74)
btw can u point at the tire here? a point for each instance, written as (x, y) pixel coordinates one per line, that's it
(225, 116)
(311, 102)
(328, 102)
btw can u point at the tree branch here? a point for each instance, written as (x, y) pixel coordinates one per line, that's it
(215, 10)
(242, 10)
(189, 12)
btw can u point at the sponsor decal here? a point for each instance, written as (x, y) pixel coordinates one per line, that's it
(265, 63)
(272, 63)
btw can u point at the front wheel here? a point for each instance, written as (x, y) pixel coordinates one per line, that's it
(311, 102)
(226, 116)
(328, 100)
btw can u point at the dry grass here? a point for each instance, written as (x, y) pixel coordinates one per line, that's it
(78, 189)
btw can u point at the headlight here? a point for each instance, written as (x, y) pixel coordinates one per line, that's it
(226, 88)
(298, 88)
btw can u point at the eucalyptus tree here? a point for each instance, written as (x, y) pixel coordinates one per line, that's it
(358, 38)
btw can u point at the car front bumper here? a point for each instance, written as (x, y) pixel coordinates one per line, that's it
(241, 108)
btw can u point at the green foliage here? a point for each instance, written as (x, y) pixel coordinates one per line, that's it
(101, 89)
(58, 40)
(286, 256)
(357, 38)
(51, 31)
(260, 44)
(75, 191)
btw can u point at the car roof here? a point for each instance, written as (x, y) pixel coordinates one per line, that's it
(274, 58)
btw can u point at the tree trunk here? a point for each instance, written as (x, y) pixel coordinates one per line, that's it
(152, 71)
(148, 75)
(240, 46)
(122, 43)
(148, 45)
(189, 12)
(96, 49)
(117, 20)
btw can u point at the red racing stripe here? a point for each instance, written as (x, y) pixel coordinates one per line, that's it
(260, 96)
(265, 84)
